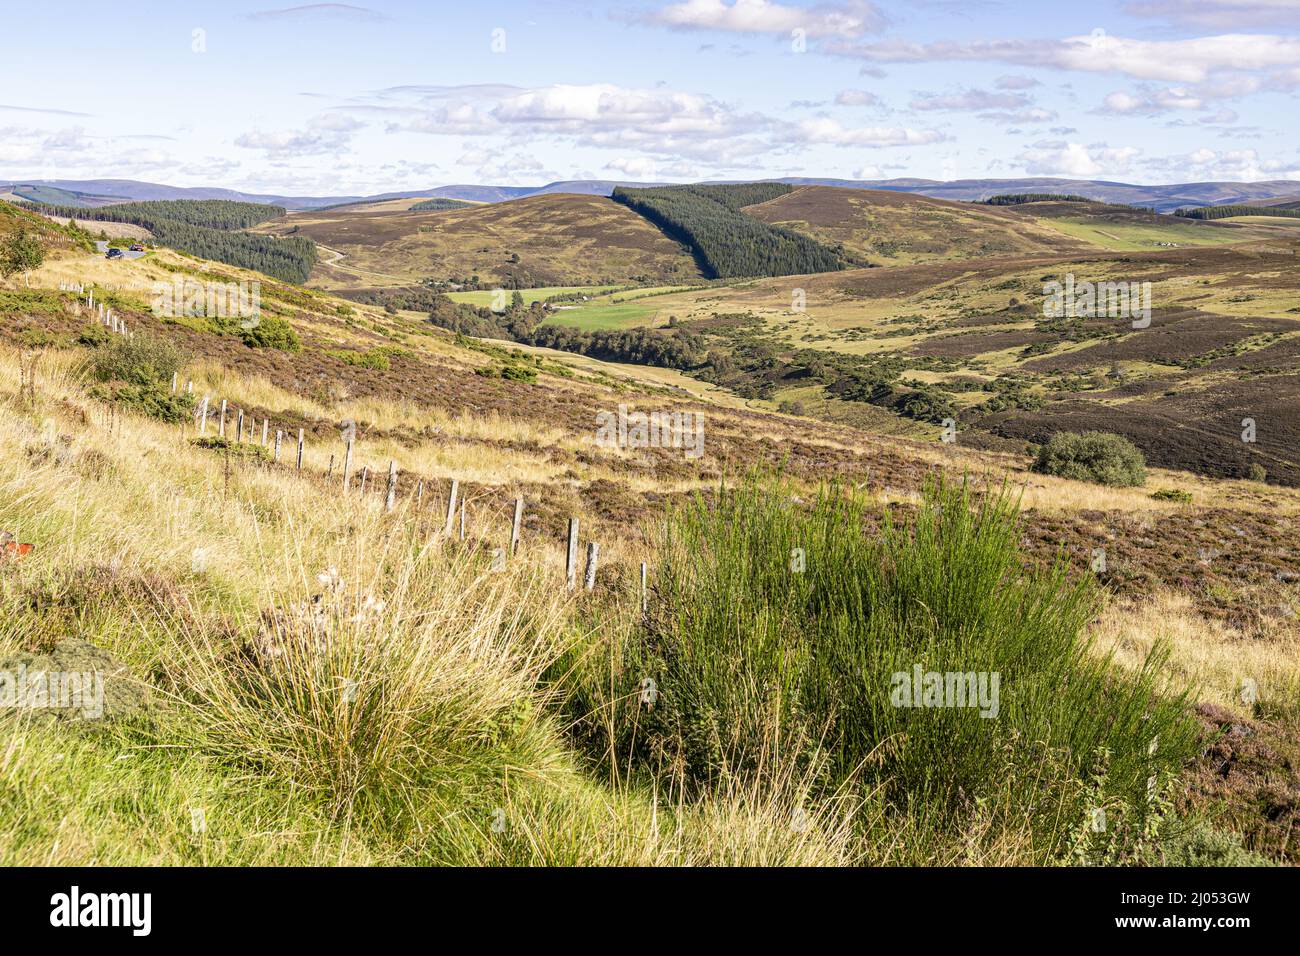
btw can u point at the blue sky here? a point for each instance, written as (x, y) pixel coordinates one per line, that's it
(331, 99)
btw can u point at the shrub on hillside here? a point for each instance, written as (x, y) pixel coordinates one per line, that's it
(137, 360)
(271, 333)
(781, 633)
(1099, 457)
(155, 400)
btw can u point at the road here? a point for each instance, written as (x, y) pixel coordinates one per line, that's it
(102, 246)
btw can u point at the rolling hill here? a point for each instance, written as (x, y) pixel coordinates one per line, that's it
(893, 228)
(332, 676)
(548, 240)
(1163, 198)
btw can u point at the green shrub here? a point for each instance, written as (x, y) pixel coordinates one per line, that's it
(240, 449)
(271, 333)
(1092, 456)
(155, 400)
(1257, 472)
(754, 662)
(92, 335)
(1172, 494)
(373, 359)
(137, 360)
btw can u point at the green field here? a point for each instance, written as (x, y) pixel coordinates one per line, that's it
(483, 297)
(1137, 237)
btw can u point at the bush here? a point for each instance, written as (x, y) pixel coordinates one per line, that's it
(92, 335)
(373, 359)
(1092, 456)
(779, 633)
(1257, 472)
(1172, 494)
(155, 400)
(137, 360)
(271, 333)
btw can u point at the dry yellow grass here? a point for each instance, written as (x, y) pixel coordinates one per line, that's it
(1230, 668)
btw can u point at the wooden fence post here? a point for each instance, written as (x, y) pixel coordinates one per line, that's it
(451, 507)
(265, 424)
(390, 497)
(462, 519)
(173, 383)
(347, 466)
(514, 529)
(239, 426)
(221, 429)
(203, 428)
(300, 449)
(571, 559)
(279, 435)
(645, 604)
(593, 552)
(419, 495)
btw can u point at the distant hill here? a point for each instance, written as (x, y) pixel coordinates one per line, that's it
(542, 240)
(889, 228)
(1163, 198)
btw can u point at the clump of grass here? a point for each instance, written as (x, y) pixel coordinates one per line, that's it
(1172, 494)
(239, 449)
(1099, 457)
(780, 633)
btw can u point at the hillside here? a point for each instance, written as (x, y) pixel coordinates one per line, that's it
(553, 240)
(888, 228)
(282, 645)
(1164, 197)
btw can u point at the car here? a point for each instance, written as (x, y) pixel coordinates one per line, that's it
(113, 254)
(136, 247)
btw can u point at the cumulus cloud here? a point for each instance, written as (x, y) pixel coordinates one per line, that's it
(1178, 61)
(823, 130)
(1016, 82)
(1241, 165)
(762, 16)
(1220, 14)
(1149, 102)
(1075, 159)
(969, 100)
(856, 98)
(326, 134)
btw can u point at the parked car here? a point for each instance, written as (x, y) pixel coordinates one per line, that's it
(136, 247)
(113, 254)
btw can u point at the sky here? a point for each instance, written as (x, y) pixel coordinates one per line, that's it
(341, 99)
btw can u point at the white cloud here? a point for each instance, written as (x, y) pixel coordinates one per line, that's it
(969, 100)
(1220, 13)
(326, 134)
(1178, 61)
(822, 130)
(1149, 102)
(761, 16)
(1075, 159)
(856, 98)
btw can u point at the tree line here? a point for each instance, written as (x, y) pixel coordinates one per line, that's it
(1223, 212)
(725, 242)
(206, 228)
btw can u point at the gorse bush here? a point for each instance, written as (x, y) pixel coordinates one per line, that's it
(271, 333)
(136, 360)
(781, 632)
(1092, 456)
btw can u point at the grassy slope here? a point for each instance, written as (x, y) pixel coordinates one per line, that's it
(891, 228)
(234, 544)
(560, 239)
